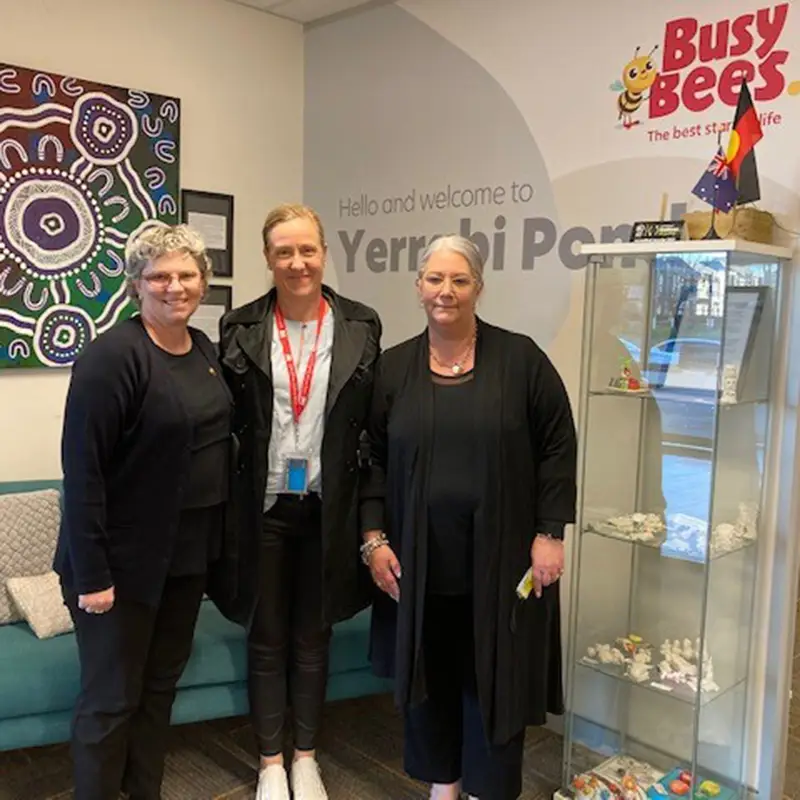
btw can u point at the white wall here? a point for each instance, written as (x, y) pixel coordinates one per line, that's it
(239, 75)
(505, 96)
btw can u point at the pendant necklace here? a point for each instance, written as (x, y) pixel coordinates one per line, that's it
(457, 367)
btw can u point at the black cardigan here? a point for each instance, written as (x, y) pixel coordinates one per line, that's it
(126, 450)
(526, 449)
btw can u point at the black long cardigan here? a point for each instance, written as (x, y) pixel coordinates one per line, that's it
(126, 453)
(526, 437)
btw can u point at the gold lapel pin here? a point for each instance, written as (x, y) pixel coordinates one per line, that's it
(212, 371)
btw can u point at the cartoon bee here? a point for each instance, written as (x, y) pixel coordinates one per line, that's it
(638, 76)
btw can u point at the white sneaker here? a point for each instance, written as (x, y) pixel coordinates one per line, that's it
(306, 780)
(272, 783)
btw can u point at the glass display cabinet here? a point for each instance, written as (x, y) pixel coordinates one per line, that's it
(673, 423)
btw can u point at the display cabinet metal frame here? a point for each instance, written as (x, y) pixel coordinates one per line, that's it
(662, 581)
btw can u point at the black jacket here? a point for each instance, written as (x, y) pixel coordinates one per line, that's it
(126, 450)
(526, 473)
(245, 347)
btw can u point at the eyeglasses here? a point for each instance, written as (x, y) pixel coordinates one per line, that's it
(458, 282)
(162, 280)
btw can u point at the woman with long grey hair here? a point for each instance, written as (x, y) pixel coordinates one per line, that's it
(145, 453)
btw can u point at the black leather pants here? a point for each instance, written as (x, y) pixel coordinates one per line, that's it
(288, 643)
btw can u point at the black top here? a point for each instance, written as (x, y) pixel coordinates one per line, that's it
(209, 411)
(206, 403)
(126, 453)
(453, 489)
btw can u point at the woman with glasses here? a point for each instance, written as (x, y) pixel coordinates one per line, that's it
(472, 481)
(145, 454)
(300, 361)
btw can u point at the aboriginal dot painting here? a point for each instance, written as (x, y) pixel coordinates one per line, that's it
(82, 167)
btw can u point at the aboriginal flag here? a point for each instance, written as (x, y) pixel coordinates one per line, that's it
(741, 155)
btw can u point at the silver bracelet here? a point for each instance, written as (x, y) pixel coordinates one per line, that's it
(369, 547)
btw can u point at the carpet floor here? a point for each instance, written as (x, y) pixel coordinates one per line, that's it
(360, 755)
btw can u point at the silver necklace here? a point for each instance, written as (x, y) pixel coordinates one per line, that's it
(457, 367)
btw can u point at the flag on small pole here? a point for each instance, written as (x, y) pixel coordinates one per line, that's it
(741, 155)
(731, 178)
(717, 187)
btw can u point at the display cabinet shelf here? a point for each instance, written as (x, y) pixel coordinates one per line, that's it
(680, 693)
(677, 396)
(662, 544)
(674, 419)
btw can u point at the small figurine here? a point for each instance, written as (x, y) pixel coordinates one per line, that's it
(637, 526)
(626, 381)
(638, 671)
(617, 657)
(607, 654)
(681, 665)
(588, 787)
(724, 538)
(730, 381)
(709, 789)
(679, 787)
(747, 521)
(708, 684)
(629, 778)
(630, 788)
(632, 644)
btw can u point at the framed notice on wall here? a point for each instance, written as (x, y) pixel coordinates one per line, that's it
(211, 215)
(217, 301)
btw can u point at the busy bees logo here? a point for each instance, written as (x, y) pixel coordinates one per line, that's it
(701, 64)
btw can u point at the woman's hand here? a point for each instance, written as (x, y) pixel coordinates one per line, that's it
(97, 602)
(385, 570)
(547, 561)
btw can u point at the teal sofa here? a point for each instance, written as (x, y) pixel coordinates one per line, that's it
(39, 678)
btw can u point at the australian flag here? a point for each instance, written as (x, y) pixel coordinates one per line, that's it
(717, 187)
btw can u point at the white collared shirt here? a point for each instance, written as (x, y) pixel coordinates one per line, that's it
(311, 427)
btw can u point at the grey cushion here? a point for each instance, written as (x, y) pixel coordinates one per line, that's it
(39, 600)
(29, 524)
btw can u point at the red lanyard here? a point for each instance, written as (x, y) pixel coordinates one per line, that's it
(299, 397)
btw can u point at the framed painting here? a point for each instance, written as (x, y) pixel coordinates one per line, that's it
(83, 167)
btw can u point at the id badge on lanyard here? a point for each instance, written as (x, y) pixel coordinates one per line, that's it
(296, 479)
(298, 465)
(297, 468)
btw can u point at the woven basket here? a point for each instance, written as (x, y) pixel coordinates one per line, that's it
(748, 224)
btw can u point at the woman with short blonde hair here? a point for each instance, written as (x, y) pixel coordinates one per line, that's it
(300, 361)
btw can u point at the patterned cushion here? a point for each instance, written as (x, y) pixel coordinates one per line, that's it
(39, 600)
(29, 524)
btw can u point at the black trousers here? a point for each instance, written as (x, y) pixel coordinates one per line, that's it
(445, 739)
(131, 658)
(288, 641)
